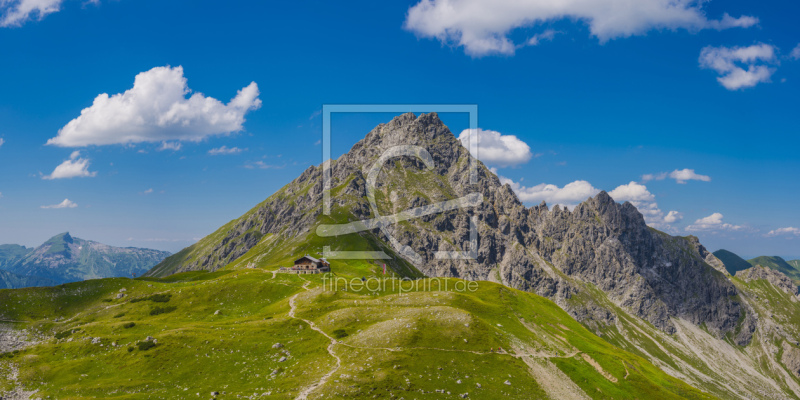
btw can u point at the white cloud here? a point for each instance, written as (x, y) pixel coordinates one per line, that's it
(148, 191)
(483, 27)
(569, 195)
(17, 12)
(64, 204)
(784, 231)
(638, 195)
(712, 222)
(225, 150)
(655, 177)
(497, 149)
(730, 64)
(795, 52)
(632, 192)
(673, 217)
(680, 176)
(174, 146)
(75, 167)
(2, 142)
(156, 109)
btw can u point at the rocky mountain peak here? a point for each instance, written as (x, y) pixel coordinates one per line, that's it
(555, 254)
(410, 129)
(64, 237)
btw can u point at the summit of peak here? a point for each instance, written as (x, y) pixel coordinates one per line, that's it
(409, 119)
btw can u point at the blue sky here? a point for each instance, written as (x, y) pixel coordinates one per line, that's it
(601, 100)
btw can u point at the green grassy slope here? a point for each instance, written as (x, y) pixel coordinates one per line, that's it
(794, 263)
(392, 343)
(733, 263)
(778, 264)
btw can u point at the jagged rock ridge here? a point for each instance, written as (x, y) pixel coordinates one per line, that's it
(553, 252)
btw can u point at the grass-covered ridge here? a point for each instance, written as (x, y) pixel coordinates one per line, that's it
(223, 332)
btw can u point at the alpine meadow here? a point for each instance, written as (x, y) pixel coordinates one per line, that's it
(430, 199)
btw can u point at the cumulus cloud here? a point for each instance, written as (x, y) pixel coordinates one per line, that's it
(484, 27)
(64, 204)
(795, 52)
(17, 12)
(641, 198)
(156, 109)
(2, 142)
(74, 167)
(225, 150)
(497, 149)
(784, 231)
(673, 217)
(684, 175)
(712, 222)
(740, 67)
(568, 196)
(680, 175)
(632, 192)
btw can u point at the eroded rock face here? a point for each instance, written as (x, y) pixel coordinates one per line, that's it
(791, 358)
(776, 278)
(552, 252)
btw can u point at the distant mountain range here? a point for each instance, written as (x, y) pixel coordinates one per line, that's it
(10, 280)
(734, 263)
(64, 258)
(10, 254)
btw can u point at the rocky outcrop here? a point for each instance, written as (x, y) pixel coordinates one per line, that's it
(791, 358)
(774, 277)
(14, 339)
(554, 252)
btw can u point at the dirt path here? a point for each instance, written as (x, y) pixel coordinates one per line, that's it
(541, 369)
(553, 381)
(303, 395)
(599, 369)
